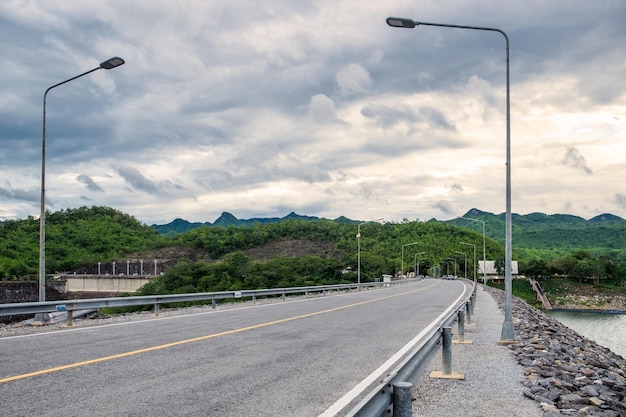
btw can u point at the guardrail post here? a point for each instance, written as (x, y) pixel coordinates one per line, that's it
(446, 357)
(402, 398)
(283, 296)
(461, 323)
(213, 303)
(461, 315)
(254, 299)
(474, 296)
(446, 353)
(70, 318)
(156, 309)
(468, 312)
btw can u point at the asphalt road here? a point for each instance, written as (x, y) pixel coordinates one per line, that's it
(295, 358)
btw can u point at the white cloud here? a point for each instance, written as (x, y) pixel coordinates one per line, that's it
(353, 80)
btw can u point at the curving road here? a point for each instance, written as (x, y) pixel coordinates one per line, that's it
(295, 358)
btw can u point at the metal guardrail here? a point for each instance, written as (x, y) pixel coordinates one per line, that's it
(12, 309)
(393, 395)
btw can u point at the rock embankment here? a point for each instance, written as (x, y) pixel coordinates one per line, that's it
(568, 374)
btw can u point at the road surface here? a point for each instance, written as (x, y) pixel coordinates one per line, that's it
(294, 358)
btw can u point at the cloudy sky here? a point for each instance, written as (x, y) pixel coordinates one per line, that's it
(260, 108)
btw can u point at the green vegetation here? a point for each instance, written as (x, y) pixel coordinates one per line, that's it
(300, 251)
(521, 288)
(74, 237)
(547, 237)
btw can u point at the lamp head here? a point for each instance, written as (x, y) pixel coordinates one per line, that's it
(112, 63)
(401, 22)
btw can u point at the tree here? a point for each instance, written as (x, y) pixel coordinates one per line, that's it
(537, 268)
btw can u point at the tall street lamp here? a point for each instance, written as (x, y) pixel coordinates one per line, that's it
(508, 330)
(474, 263)
(415, 262)
(464, 254)
(484, 268)
(358, 240)
(453, 260)
(108, 64)
(404, 246)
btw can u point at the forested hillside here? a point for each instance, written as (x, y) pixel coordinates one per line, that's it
(306, 251)
(80, 237)
(74, 237)
(549, 236)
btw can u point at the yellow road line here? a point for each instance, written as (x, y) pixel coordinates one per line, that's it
(197, 339)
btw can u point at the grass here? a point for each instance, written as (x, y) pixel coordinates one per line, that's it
(522, 289)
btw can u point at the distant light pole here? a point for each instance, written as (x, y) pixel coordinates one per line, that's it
(417, 271)
(484, 268)
(453, 260)
(418, 264)
(358, 240)
(464, 254)
(508, 330)
(404, 246)
(473, 264)
(108, 64)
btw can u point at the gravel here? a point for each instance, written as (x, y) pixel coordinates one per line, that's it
(493, 378)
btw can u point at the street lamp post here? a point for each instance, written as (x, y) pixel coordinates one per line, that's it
(453, 260)
(474, 263)
(464, 254)
(416, 264)
(508, 330)
(484, 268)
(402, 262)
(358, 240)
(108, 64)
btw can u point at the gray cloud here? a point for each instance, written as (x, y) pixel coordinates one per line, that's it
(574, 159)
(445, 207)
(456, 188)
(20, 194)
(139, 182)
(388, 116)
(136, 180)
(90, 183)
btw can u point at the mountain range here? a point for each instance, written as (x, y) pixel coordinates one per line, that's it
(227, 219)
(534, 230)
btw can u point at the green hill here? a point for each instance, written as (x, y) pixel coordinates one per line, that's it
(558, 233)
